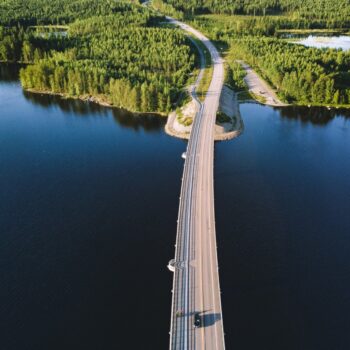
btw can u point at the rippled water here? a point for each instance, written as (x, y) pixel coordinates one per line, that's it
(88, 207)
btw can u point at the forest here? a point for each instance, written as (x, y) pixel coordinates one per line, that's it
(122, 56)
(328, 13)
(39, 12)
(122, 53)
(301, 75)
(228, 26)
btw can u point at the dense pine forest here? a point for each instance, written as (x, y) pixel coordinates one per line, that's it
(328, 13)
(116, 52)
(300, 74)
(35, 12)
(121, 53)
(249, 30)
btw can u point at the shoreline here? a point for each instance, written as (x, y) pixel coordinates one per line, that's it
(228, 104)
(260, 88)
(102, 102)
(229, 130)
(93, 99)
(172, 115)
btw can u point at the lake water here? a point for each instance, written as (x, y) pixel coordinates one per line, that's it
(89, 200)
(332, 42)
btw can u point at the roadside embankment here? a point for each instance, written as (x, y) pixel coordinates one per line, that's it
(229, 123)
(233, 125)
(179, 123)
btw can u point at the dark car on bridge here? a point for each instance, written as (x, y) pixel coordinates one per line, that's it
(197, 322)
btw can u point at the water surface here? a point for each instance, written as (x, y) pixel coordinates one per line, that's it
(282, 214)
(88, 205)
(330, 42)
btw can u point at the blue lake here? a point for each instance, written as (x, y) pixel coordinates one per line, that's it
(88, 204)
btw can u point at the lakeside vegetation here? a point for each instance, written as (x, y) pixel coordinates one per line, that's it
(309, 13)
(57, 12)
(234, 75)
(121, 53)
(300, 75)
(204, 83)
(116, 52)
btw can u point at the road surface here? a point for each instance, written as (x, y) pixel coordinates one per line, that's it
(196, 286)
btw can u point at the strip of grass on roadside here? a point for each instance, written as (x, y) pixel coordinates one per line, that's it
(203, 85)
(258, 98)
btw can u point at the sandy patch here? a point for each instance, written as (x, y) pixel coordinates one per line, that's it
(230, 107)
(223, 131)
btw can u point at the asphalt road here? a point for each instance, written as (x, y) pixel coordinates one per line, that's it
(196, 286)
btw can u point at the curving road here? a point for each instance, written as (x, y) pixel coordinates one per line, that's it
(196, 286)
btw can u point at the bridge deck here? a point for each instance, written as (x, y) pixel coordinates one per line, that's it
(196, 279)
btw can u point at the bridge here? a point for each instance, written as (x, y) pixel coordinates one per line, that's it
(196, 290)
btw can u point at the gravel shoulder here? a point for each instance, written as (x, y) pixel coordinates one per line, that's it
(260, 88)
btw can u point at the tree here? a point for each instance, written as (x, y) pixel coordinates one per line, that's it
(27, 52)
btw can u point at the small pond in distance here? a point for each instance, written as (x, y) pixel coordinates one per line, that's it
(331, 42)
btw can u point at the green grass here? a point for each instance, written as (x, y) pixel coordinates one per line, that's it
(182, 119)
(185, 121)
(258, 98)
(203, 85)
(166, 24)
